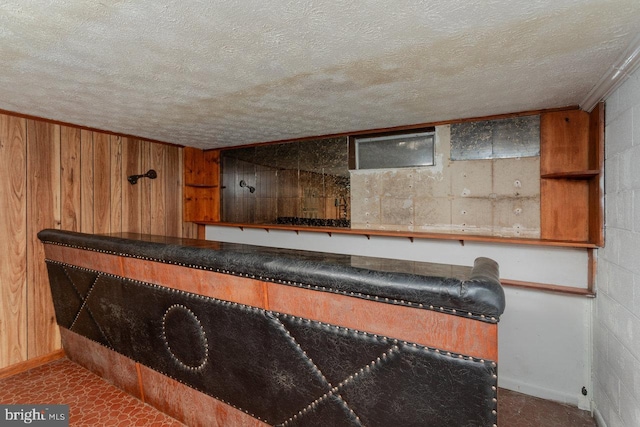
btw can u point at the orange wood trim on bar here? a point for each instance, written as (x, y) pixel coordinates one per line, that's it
(203, 282)
(189, 405)
(155, 389)
(411, 235)
(265, 296)
(140, 384)
(31, 363)
(413, 126)
(426, 327)
(107, 263)
(108, 132)
(567, 290)
(102, 361)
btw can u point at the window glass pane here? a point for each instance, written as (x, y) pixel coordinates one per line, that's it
(396, 151)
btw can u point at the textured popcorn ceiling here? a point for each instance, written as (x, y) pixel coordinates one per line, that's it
(214, 73)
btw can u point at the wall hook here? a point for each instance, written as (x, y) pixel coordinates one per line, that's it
(151, 174)
(243, 184)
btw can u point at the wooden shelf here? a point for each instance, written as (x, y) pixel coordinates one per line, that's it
(585, 174)
(566, 290)
(571, 179)
(201, 190)
(201, 185)
(410, 235)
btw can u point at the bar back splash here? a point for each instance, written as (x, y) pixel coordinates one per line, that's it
(225, 334)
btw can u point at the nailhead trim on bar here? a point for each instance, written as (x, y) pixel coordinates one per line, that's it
(476, 316)
(202, 336)
(334, 389)
(84, 300)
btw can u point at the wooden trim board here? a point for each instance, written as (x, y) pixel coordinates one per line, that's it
(31, 363)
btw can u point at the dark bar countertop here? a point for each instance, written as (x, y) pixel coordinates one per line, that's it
(467, 291)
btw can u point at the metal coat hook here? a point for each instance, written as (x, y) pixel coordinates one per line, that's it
(151, 174)
(244, 185)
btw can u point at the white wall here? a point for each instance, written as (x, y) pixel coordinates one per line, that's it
(545, 346)
(617, 313)
(544, 338)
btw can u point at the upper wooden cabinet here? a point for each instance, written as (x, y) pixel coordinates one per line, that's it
(571, 172)
(201, 185)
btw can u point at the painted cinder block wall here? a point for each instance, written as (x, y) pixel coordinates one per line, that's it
(494, 197)
(616, 358)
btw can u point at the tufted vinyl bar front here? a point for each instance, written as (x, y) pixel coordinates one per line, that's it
(280, 337)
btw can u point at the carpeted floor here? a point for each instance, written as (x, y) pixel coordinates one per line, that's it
(94, 402)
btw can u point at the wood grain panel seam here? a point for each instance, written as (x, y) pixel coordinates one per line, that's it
(265, 295)
(14, 232)
(140, 382)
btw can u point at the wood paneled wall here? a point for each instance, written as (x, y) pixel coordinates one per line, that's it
(54, 176)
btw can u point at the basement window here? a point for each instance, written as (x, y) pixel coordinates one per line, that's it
(396, 150)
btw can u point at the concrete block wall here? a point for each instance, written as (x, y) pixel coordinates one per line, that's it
(616, 335)
(496, 197)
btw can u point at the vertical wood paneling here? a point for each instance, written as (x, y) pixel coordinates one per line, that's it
(101, 183)
(86, 181)
(173, 173)
(190, 230)
(131, 194)
(43, 211)
(193, 159)
(70, 156)
(212, 169)
(201, 190)
(55, 176)
(196, 173)
(116, 183)
(157, 207)
(146, 187)
(13, 241)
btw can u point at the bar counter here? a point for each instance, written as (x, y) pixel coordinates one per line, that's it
(267, 336)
